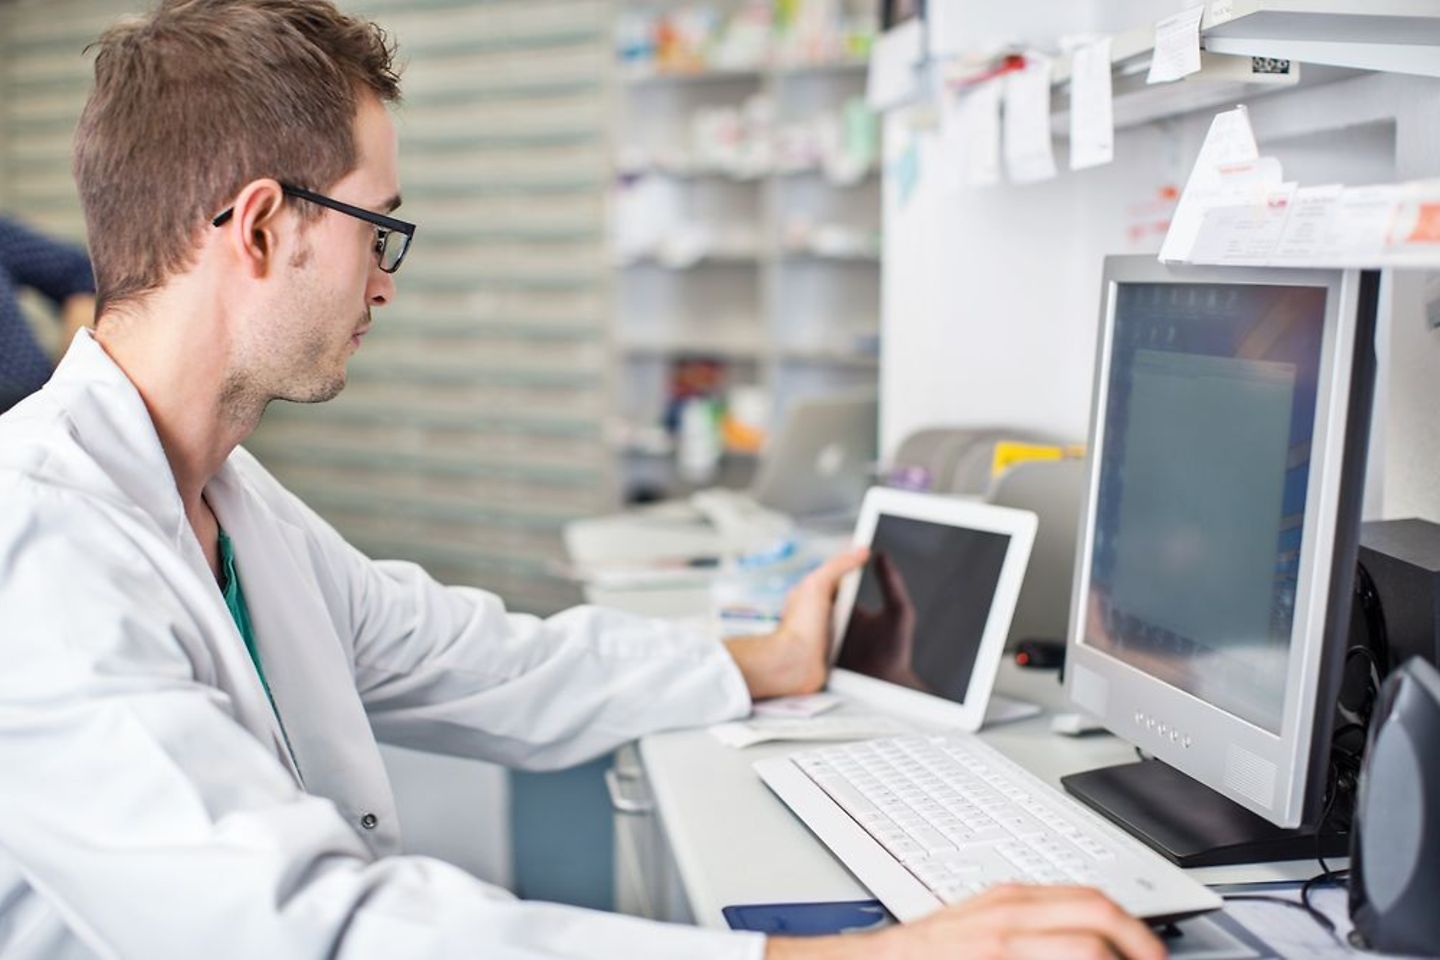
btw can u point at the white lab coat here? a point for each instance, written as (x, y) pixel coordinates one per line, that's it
(149, 805)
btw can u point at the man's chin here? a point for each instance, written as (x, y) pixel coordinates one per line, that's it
(318, 392)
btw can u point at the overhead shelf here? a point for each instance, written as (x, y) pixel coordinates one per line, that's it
(1254, 47)
(1396, 36)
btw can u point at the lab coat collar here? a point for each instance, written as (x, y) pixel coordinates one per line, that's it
(102, 402)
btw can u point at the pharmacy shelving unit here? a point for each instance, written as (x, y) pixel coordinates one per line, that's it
(792, 321)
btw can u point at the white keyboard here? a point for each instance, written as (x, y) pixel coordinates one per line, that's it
(925, 821)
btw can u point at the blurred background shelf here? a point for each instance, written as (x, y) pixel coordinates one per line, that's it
(742, 143)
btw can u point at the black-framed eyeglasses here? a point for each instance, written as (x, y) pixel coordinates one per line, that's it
(392, 236)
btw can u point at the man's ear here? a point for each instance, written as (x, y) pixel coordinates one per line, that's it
(254, 231)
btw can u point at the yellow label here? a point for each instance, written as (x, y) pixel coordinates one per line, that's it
(1010, 452)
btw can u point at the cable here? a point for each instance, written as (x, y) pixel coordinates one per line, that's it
(1329, 876)
(1314, 912)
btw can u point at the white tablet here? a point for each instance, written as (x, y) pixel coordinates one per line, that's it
(920, 629)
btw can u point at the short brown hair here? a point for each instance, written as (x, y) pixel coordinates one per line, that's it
(201, 97)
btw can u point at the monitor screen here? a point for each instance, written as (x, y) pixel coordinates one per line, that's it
(922, 604)
(1201, 487)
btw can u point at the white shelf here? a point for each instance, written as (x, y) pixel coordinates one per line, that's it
(1324, 40)
(866, 257)
(1395, 36)
(849, 67)
(757, 177)
(693, 172)
(728, 349)
(723, 258)
(1221, 80)
(1399, 36)
(709, 75)
(665, 453)
(831, 358)
(816, 170)
(755, 74)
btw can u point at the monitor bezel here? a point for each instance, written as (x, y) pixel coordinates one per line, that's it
(1221, 750)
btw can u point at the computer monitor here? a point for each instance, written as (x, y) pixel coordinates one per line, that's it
(1216, 556)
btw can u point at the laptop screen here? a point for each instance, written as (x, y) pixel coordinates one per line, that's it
(922, 605)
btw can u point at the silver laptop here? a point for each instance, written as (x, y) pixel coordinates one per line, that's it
(821, 459)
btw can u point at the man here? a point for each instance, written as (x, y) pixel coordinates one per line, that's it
(197, 667)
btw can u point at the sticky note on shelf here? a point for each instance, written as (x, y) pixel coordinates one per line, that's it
(1092, 106)
(970, 132)
(1029, 152)
(1177, 46)
(895, 59)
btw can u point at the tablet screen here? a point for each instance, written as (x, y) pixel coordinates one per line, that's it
(922, 604)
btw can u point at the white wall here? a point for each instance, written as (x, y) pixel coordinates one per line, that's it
(991, 296)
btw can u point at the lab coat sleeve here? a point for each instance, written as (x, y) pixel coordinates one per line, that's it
(158, 827)
(449, 670)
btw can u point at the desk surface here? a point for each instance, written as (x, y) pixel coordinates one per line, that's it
(735, 842)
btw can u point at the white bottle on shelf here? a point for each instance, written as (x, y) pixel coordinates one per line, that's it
(697, 453)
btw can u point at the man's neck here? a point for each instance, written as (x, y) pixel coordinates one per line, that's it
(179, 362)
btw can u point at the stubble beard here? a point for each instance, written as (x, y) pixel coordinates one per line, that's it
(312, 370)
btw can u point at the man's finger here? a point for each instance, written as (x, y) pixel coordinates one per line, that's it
(829, 573)
(892, 585)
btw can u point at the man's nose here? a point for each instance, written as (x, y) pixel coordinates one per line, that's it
(381, 287)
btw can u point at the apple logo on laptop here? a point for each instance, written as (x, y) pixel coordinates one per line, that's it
(830, 459)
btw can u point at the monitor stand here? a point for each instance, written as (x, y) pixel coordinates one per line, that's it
(1190, 824)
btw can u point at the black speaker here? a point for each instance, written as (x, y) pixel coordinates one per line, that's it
(1395, 843)
(1400, 569)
